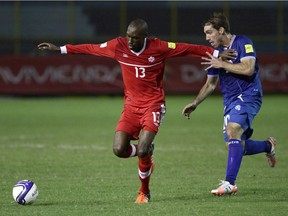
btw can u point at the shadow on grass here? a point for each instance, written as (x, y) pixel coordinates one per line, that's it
(242, 196)
(69, 203)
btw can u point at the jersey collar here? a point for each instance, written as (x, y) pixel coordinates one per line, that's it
(143, 48)
(232, 40)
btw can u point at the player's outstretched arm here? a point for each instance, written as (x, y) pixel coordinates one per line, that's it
(48, 46)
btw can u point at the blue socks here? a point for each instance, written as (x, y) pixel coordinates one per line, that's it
(235, 153)
(254, 147)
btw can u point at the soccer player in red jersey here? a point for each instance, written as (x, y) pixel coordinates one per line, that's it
(142, 61)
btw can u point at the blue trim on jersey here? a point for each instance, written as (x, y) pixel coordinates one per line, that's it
(232, 85)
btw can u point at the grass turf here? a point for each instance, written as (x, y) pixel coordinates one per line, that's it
(65, 146)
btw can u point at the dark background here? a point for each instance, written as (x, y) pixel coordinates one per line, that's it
(24, 24)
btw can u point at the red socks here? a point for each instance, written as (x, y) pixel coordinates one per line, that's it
(144, 172)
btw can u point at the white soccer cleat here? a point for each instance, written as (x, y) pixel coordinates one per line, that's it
(271, 158)
(225, 188)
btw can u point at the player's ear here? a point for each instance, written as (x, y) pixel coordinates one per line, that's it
(221, 30)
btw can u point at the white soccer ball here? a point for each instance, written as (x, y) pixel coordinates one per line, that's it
(25, 192)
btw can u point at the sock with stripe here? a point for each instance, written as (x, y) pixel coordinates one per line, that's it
(131, 151)
(235, 154)
(144, 172)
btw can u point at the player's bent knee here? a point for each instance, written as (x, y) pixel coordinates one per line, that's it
(118, 150)
(142, 153)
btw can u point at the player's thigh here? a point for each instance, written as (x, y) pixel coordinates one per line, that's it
(153, 117)
(129, 123)
(150, 122)
(145, 141)
(121, 139)
(234, 125)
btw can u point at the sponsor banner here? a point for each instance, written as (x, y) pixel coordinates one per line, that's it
(59, 75)
(56, 75)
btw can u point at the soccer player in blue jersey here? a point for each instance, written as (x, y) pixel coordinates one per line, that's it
(242, 94)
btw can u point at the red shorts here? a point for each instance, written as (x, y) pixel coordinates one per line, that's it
(134, 119)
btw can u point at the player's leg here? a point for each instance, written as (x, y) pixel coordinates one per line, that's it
(127, 129)
(235, 151)
(150, 122)
(232, 132)
(122, 146)
(253, 147)
(145, 165)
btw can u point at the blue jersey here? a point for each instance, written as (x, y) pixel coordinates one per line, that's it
(233, 85)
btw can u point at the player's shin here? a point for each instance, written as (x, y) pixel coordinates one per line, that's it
(235, 154)
(255, 147)
(145, 169)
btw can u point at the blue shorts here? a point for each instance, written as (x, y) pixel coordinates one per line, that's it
(242, 113)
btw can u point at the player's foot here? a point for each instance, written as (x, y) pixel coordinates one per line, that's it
(225, 188)
(271, 158)
(142, 198)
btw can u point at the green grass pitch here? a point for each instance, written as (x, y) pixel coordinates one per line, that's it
(65, 146)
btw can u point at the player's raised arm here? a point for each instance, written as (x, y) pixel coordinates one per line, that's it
(48, 46)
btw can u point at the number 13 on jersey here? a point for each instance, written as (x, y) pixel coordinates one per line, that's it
(140, 72)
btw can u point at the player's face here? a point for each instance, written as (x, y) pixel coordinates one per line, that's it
(135, 38)
(213, 36)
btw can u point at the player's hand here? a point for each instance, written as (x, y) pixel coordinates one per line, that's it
(229, 54)
(212, 62)
(188, 109)
(48, 46)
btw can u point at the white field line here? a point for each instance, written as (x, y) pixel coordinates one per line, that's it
(96, 147)
(20, 141)
(60, 146)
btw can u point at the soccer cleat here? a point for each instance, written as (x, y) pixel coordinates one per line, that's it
(142, 198)
(271, 158)
(225, 188)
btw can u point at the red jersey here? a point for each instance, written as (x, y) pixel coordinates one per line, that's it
(142, 72)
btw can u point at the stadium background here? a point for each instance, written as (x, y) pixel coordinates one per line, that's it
(26, 71)
(64, 144)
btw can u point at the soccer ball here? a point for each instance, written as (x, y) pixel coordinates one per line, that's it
(25, 192)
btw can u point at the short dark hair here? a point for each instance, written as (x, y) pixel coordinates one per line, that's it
(218, 20)
(141, 24)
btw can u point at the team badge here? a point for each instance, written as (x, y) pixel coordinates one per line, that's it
(151, 59)
(238, 107)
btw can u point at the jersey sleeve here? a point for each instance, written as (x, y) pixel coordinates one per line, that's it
(185, 49)
(245, 48)
(213, 72)
(106, 49)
